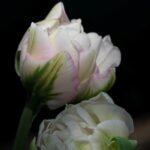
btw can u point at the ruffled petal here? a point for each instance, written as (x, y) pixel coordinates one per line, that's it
(109, 56)
(110, 111)
(58, 13)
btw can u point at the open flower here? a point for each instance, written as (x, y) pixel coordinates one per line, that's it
(58, 61)
(89, 125)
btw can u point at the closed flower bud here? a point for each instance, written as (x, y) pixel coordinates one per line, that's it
(58, 61)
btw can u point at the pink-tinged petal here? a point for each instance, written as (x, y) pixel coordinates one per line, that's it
(100, 82)
(109, 56)
(97, 83)
(38, 43)
(66, 83)
(112, 60)
(86, 64)
(60, 41)
(95, 40)
(81, 42)
(28, 66)
(58, 13)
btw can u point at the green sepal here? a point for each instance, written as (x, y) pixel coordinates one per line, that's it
(120, 143)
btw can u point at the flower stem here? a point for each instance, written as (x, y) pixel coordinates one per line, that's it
(30, 111)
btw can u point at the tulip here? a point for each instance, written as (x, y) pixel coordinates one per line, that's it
(57, 61)
(89, 125)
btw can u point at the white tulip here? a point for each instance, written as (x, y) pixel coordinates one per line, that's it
(60, 62)
(89, 125)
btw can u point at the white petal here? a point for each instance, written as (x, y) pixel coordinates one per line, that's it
(112, 60)
(48, 26)
(109, 56)
(23, 46)
(95, 41)
(38, 44)
(54, 143)
(58, 12)
(43, 129)
(113, 128)
(101, 98)
(78, 144)
(28, 66)
(66, 84)
(86, 64)
(110, 111)
(83, 41)
(82, 113)
(100, 82)
(60, 41)
(105, 48)
(74, 25)
(98, 140)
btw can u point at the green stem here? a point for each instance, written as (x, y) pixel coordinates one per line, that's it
(28, 115)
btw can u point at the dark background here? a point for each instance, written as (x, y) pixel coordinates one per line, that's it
(126, 21)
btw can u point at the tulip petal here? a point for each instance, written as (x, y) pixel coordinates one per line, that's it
(28, 67)
(86, 64)
(105, 48)
(48, 26)
(83, 41)
(21, 53)
(101, 98)
(97, 141)
(17, 62)
(96, 84)
(68, 77)
(111, 61)
(95, 41)
(38, 43)
(51, 77)
(109, 56)
(112, 128)
(58, 12)
(60, 41)
(111, 111)
(54, 143)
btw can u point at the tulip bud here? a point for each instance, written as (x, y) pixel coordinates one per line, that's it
(89, 125)
(59, 62)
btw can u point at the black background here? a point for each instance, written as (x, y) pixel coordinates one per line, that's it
(126, 21)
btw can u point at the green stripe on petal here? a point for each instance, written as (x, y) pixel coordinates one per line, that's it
(42, 79)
